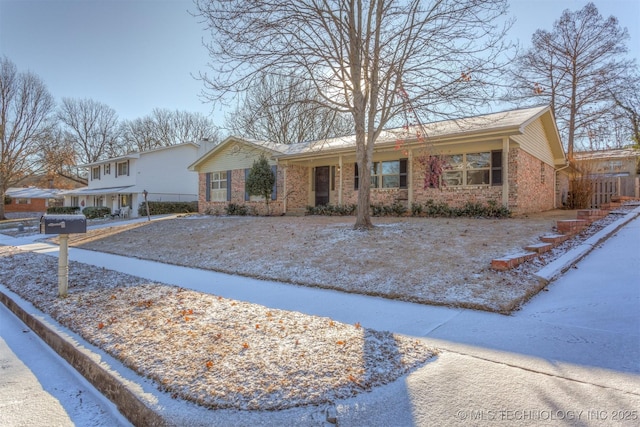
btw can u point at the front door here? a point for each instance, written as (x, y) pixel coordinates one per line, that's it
(322, 185)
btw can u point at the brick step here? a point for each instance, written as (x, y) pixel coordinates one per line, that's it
(621, 199)
(591, 215)
(511, 261)
(571, 226)
(539, 248)
(555, 239)
(609, 206)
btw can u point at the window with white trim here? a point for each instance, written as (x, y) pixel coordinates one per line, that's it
(389, 174)
(218, 186)
(123, 168)
(473, 169)
(95, 172)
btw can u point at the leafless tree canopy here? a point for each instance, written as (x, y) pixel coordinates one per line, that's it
(571, 67)
(25, 111)
(625, 93)
(163, 128)
(360, 56)
(57, 155)
(271, 111)
(92, 127)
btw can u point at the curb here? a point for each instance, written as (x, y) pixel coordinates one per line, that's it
(553, 270)
(84, 360)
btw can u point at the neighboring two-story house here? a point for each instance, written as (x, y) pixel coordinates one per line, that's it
(119, 183)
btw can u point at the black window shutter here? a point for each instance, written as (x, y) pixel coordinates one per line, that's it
(228, 186)
(496, 167)
(246, 192)
(128, 167)
(274, 191)
(403, 173)
(208, 190)
(116, 165)
(356, 178)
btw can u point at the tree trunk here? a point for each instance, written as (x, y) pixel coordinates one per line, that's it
(2, 196)
(363, 218)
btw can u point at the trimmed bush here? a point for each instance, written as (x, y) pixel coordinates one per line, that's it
(430, 209)
(162, 208)
(92, 212)
(332, 210)
(416, 209)
(437, 209)
(395, 209)
(63, 210)
(234, 209)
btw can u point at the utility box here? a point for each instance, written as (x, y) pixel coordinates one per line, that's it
(63, 224)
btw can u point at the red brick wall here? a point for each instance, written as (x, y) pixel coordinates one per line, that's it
(297, 187)
(452, 196)
(276, 207)
(531, 189)
(36, 205)
(531, 183)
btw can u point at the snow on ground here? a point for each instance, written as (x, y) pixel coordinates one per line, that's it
(443, 261)
(223, 353)
(216, 352)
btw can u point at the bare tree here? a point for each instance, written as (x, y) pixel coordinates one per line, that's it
(163, 128)
(626, 97)
(569, 67)
(25, 111)
(271, 111)
(92, 127)
(358, 55)
(57, 157)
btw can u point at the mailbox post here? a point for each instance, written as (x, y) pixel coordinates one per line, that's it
(63, 225)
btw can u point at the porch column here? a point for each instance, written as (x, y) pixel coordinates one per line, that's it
(505, 172)
(410, 179)
(340, 180)
(284, 188)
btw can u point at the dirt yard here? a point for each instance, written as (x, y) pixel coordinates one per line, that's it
(443, 261)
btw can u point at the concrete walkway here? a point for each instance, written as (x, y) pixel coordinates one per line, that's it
(571, 356)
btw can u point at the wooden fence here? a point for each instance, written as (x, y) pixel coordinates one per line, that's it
(604, 188)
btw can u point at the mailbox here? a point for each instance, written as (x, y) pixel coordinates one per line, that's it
(63, 224)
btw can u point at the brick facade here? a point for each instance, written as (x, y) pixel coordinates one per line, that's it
(34, 205)
(276, 207)
(531, 189)
(531, 183)
(454, 197)
(297, 187)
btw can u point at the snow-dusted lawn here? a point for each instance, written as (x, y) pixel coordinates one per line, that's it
(216, 352)
(427, 260)
(223, 353)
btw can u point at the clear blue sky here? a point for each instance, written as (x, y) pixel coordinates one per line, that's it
(136, 55)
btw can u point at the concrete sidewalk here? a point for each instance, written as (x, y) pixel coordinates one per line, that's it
(570, 356)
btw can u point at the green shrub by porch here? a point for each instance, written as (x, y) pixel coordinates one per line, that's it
(163, 208)
(92, 212)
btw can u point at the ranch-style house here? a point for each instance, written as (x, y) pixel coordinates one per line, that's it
(509, 157)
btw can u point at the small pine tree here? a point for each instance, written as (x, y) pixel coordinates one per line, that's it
(260, 180)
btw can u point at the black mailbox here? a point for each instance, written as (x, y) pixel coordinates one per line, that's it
(63, 224)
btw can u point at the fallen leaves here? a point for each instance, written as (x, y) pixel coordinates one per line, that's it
(213, 351)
